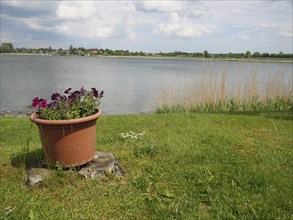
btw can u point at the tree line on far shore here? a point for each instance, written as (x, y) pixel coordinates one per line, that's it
(81, 51)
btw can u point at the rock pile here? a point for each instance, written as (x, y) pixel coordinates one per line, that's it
(102, 165)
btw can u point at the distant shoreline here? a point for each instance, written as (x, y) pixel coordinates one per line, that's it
(204, 59)
(26, 54)
(271, 60)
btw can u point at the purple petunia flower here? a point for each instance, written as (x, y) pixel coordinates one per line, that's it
(67, 91)
(95, 92)
(55, 96)
(43, 103)
(51, 105)
(82, 91)
(101, 94)
(35, 102)
(73, 99)
(75, 94)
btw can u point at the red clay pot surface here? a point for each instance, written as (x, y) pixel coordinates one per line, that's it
(68, 142)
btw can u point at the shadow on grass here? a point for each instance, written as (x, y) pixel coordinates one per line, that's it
(28, 159)
(36, 159)
(281, 115)
(248, 113)
(288, 115)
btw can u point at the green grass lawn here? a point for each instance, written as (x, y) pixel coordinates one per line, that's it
(186, 166)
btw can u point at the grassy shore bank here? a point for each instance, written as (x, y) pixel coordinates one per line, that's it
(186, 166)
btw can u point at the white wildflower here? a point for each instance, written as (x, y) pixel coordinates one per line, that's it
(132, 135)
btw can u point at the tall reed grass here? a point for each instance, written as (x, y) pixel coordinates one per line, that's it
(214, 92)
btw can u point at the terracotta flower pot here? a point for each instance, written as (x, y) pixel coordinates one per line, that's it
(69, 142)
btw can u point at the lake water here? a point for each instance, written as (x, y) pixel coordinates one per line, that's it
(130, 85)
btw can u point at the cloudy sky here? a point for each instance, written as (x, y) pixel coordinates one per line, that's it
(150, 26)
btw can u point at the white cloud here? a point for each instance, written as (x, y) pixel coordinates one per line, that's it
(105, 32)
(6, 37)
(182, 27)
(196, 9)
(144, 22)
(264, 36)
(33, 23)
(91, 20)
(36, 24)
(131, 34)
(282, 30)
(286, 33)
(268, 26)
(158, 6)
(245, 37)
(29, 8)
(197, 12)
(76, 10)
(92, 29)
(12, 3)
(128, 7)
(281, 5)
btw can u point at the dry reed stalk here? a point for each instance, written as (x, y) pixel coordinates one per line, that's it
(190, 95)
(252, 87)
(223, 86)
(210, 92)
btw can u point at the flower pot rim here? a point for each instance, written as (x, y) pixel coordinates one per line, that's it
(34, 118)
